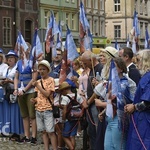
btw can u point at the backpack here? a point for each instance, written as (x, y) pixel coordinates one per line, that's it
(74, 110)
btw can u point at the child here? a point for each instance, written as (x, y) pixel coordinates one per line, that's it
(70, 126)
(44, 115)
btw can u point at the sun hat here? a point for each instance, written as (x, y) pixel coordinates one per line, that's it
(46, 64)
(56, 83)
(63, 86)
(11, 53)
(111, 51)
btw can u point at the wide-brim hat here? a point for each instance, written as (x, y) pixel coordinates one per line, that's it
(11, 53)
(111, 51)
(64, 86)
(46, 64)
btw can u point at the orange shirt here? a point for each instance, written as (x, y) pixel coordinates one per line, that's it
(42, 103)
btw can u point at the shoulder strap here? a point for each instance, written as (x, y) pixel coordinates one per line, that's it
(44, 89)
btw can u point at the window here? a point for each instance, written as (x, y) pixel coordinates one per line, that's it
(7, 31)
(72, 1)
(145, 8)
(117, 5)
(141, 6)
(73, 21)
(101, 4)
(28, 33)
(67, 19)
(95, 4)
(96, 27)
(102, 28)
(141, 29)
(46, 18)
(88, 3)
(117, 31)
(67, 1)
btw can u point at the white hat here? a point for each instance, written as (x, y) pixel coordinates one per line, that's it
(111, 51)
(56, 83)
(45, 63)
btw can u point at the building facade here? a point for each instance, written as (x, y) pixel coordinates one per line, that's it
(119, 19)
(17, 15)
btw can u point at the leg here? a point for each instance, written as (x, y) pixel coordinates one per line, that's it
(45, 140)
(34, 128)
(53, 139)
(31, 109)
(26, 125)
(58, 128)
(68, 142)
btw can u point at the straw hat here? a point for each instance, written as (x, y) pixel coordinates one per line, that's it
(46, 64)
(63, 86)
(11, 53)
(111, 51)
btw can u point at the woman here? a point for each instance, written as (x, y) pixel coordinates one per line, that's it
(117, 126)
(2, 67)
(11, 108)
(139, 137)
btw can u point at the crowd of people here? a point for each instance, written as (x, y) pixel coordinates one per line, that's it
(108, 122)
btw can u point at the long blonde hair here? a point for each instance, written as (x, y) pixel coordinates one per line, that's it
(106, 67)
(144, 60)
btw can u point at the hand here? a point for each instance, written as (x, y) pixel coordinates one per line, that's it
(74, 78)
(34, 83)
(20, 92)
(95, 82)
(101, 116)
(33, 100)
(15, 92)
(129, 108)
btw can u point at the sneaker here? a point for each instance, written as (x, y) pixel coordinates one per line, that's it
(33, 141)
(23, 140)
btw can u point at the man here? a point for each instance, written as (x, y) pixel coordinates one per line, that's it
(89, 60)
(126, 54)
(56, 64)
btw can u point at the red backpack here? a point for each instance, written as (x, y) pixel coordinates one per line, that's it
(74, 110)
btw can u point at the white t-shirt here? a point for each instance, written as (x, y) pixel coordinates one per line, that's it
(66, 100)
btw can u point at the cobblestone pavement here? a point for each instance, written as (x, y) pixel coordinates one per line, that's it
(5, 144)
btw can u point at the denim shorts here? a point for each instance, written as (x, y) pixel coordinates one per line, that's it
(70, 128)
(45, 121)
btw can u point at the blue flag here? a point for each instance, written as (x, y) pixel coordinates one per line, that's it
(147, 40)
(86, 38)
(116, 45)
(21, 45)
(36, 50)
(52, 29)
(70, 46)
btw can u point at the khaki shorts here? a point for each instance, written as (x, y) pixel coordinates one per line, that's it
(27, 109)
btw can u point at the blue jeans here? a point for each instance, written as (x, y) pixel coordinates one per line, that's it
(113, 136)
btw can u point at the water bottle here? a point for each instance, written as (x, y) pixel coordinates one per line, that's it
(98, 77)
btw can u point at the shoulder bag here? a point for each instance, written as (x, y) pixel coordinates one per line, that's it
(55, 109)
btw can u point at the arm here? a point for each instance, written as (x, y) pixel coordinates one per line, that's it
(91, 99)
(34, 78)
(64, 112)
(16, 83)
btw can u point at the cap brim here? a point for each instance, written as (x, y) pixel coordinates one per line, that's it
(11, 55)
